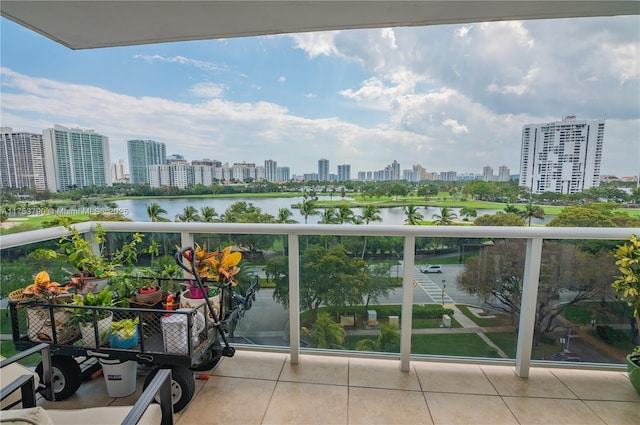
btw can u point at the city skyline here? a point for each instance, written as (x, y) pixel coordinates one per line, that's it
(366, 97)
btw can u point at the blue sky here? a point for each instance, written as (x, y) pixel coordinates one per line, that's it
(450, 97)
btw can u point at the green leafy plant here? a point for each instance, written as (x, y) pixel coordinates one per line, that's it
(85, 315)
(124, 328)
(79, 253)
(627, 285)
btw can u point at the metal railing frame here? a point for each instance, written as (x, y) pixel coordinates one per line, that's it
(533, 235)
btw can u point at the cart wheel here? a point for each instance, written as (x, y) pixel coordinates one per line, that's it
(209, 358)
(183, 386)
(228, 351)
(66, 376)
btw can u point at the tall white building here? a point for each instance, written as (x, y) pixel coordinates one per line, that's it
(487, 174)
(344, 173)
(270, 170)
(323, 170)
(118, 172)
(22, 160)
(504, 173)
(143, 153)
(77, 158)
(283, 174)
(562, 156)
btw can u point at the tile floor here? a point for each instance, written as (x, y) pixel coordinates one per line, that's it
(264, 388)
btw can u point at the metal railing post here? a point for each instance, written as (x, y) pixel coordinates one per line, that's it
(294, 298)
(407, 302)
(528, 307)
(186, 239)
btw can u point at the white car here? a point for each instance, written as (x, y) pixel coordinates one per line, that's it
(432, 268)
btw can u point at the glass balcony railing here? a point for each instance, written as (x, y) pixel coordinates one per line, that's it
(463, 294)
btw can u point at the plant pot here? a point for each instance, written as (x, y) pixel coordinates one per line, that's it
(196, 293)
(39, 326)
(92, 284)
(148, 295)
(634, 373)
(88, 332)
(187, 302)
(116, 341)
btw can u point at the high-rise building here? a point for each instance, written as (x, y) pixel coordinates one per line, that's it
(504, 173)
(283, 174)
(395, 170)
(78, 158)
(22, 161)
(487, 174)
(323, 170)
(142, 154)
(118, 172)
(562, 156)
(270, 170)
(344, 173)
(176, 157)
(448, 176)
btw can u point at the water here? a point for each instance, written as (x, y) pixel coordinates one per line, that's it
(137, 208)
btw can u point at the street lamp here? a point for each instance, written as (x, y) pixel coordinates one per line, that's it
(443, 286)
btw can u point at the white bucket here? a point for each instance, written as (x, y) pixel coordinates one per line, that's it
(120, 376)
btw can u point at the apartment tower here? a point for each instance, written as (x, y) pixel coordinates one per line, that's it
(142, 154)
(78, 158)
(323, 170)
(561, 157)
(22, 161)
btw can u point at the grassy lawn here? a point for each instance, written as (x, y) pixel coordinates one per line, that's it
(5, 322)
(507, 342)
(499, 320)
(469, 345)
(7, 350)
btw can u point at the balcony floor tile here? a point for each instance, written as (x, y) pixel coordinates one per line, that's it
(616, 412)
(453, 378)
(541, 383)
(447, 408)
(317, 370)
(531, 411)
(375, 373)
(376, 406)
(609, 386)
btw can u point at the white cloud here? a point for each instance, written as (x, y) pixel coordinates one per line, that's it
(282, 79)
(207, 90)
(207, 66)
(310, 95)
(455, 126)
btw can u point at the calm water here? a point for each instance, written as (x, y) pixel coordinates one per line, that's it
(137, 210)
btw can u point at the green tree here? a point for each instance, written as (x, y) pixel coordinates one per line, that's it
(379, 284)
(155, 211)
(285, 216)
(308, 208)
(325, 333)
(589, 215)
(189, 214)
(369, 213)
(327, 277)
(446, 217)
(468, 212)
(510, 208)
(499, 219)
(208, 214)
(345, 215)
(387, 342)
(413, 215)
(496, 275)
(329, 216)
(531, 211)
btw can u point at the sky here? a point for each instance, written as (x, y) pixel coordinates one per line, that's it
(447, 97)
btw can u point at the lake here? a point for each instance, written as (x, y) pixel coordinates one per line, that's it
(137, 208)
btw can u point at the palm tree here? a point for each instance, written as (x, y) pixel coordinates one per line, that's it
(369, 213)
(413, 216)
(154, 210)
(468, 212)
(387, 341)
(531, 211)
(208, 214)
(345, 215)
(325, 332)
(510, 208)
(285, 216)
(329, 216)
(189, 214)
(308, 208)
(445, 218)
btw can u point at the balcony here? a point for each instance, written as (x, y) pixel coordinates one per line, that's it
(280, 381)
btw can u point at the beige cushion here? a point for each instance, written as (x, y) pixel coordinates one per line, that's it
(10, 373)
(103, 415)
(32, 416)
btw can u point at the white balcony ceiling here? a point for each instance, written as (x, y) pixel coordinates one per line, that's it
(93, 23)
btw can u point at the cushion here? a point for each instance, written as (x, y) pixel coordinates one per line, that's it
(32, 416)
(10, 373)
(108, 415)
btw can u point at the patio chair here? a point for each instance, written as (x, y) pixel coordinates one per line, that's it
(19, 387)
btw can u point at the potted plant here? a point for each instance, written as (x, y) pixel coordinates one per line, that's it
(124, 333)
(91, 319)
(148, 294)
(40, 317)
(91, 269)
(219, 267)
(627, 285)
